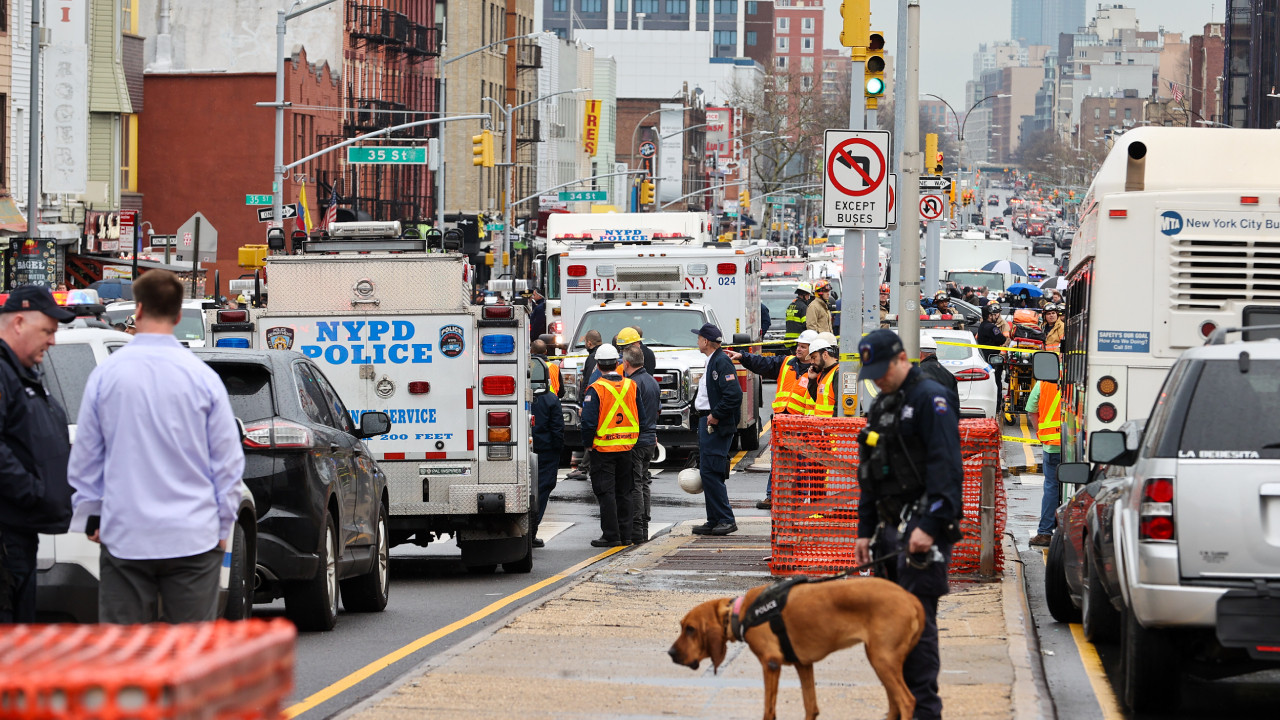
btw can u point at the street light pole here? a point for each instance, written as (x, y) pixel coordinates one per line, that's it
(33, 149)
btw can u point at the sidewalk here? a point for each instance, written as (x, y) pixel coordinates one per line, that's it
(597, 649)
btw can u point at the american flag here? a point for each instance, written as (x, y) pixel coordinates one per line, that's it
(1177, 92)
(577, 286)
(331, 213)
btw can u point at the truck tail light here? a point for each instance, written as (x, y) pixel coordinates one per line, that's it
(727, 268)
(233, 316)
(419, 387)
(498, 312)
(1207, 327)
(1106, 412)
(499, 425)
(498, 385)
(1155, 515)
(972, 374)
(576, 271)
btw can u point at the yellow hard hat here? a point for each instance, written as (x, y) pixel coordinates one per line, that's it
(627, 336)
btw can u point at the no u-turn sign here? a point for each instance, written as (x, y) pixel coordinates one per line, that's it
(855, 187)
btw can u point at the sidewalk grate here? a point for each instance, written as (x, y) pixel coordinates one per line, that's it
(740, 554)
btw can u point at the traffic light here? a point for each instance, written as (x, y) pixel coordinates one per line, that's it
(275, 239)
(745, 200)
(646, 192)
(482, 149)
(937, 163)
(930, 153)
(857, 23)
(873, 71)
(952, 194)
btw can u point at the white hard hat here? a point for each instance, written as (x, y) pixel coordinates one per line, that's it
(927, 342)
(690, 480)
(819, 344)
(804, 287)
(606, 352)
(807, 336)
(829, 337)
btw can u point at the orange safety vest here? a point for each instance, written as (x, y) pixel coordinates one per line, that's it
(617, 428)
(1049, 415)
(792, 397)
(554, 371)
(825, 404)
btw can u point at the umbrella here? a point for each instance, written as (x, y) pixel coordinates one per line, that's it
(1057, 282)
(1020, 288)
(1004, 266)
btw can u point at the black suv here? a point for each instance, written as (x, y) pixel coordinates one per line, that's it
(322, 500)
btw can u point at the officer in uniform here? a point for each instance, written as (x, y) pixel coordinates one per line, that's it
(797, 310)
(719, 406)
(933, 369)
(610, 425)
(792, 398)
(911, 478)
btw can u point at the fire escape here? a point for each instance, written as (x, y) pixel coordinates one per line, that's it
(528, 130)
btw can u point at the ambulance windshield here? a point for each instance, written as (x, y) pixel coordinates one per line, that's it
(660, 327)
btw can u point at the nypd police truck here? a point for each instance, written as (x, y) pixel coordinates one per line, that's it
(393, 328)
(664, 291)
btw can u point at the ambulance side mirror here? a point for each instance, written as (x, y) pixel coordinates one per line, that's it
(373, 424)
(1044, 366)
(539, 378)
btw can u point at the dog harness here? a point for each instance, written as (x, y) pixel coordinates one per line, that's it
(767, 607)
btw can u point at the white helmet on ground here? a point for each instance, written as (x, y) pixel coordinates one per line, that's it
(606, 352)
(690, 480)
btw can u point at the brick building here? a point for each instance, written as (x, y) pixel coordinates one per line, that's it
(1101, 117)
(1206, 55)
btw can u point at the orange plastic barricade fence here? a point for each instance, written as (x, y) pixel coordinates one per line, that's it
(232, 670)
(815, 494)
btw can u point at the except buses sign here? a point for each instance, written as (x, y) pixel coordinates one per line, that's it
(855, 193)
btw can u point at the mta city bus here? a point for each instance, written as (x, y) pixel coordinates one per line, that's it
(1179, 235)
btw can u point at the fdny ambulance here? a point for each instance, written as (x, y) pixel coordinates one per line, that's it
(664, 291)
(393, 328)
(569, 230)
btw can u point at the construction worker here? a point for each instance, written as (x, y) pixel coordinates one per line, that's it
(1044, 411)
(629, 335)
(610, 423)
(792, 397)
(824, 361)
(818, 315)
(798, 310)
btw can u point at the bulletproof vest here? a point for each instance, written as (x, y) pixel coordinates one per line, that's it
(892, 469)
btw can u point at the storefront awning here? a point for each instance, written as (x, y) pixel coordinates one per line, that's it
(11, 219)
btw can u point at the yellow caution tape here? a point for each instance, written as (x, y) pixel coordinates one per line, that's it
(843, 356)
(1029, 441)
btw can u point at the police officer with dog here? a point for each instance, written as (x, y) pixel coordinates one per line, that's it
(911, 477)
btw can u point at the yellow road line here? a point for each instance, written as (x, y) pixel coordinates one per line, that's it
(1102, 691)
(1026, 449)
(743, 453)
(390, 659)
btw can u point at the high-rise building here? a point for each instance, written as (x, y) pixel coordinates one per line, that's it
(1252, 63)
(797, 46)
(1039, 22)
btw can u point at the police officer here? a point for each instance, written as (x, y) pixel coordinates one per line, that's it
(548, 441)
(933, 369)
(610, 425)
(719, 406)
(911, 479)
(791, 373)
(797, 310)
(34, 448)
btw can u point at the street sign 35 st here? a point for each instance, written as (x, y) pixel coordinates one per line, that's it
(389, 155)
(855, 191)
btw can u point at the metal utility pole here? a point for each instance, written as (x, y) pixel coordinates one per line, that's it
(852, 262)
(33, 154)
(899, 129)
(909, 194)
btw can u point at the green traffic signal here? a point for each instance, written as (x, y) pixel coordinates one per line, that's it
(875, 86)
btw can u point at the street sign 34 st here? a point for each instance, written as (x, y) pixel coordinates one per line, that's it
(855, 191)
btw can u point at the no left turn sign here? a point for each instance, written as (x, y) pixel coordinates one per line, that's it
(932, 207)
(855, 193)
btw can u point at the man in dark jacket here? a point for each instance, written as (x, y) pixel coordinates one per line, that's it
(642, 453)
(34, 447)
(592, 340)
(719, 406)
(765, 321)
(537, 316)
(548, 441)
(933, 369)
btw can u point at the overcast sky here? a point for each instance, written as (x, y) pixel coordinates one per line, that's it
(950, 31)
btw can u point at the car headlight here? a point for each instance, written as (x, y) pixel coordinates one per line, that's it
(695, 377)
(569, 382)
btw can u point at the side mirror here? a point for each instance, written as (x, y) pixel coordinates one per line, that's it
(1076, 473)
(742, 339)
(1044, 366)
(1106, 446)
(996, 361)
(374, 423)
(539, 376)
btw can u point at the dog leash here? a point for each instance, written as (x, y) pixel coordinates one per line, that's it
(865, 566)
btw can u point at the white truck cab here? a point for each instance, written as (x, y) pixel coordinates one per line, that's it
(393, 328)
(665, 292)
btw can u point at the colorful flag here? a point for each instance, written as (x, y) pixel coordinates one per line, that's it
(577, 286)
(331, 213)
(1177, 92)
(306, 207)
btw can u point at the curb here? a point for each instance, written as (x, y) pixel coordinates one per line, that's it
(1030, 695)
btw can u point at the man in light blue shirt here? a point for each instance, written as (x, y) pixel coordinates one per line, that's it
(156, 468)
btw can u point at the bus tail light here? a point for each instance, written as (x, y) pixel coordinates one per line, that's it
(1107, 386)
(972, 374)
(1106, 412)
(1155, 515)
(1118, 214)
(1248, 199)
(1207, 327)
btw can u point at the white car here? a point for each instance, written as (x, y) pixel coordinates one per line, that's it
(67, 564)
(976, 385)
(191, 330)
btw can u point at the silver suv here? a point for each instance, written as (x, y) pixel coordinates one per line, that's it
(1191, 538)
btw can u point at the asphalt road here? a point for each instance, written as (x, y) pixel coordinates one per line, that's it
(435, 604)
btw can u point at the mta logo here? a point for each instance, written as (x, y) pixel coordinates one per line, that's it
(1170, 223)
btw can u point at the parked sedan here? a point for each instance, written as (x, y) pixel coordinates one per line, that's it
(322, 522)
(974, 380)
(67, 564)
